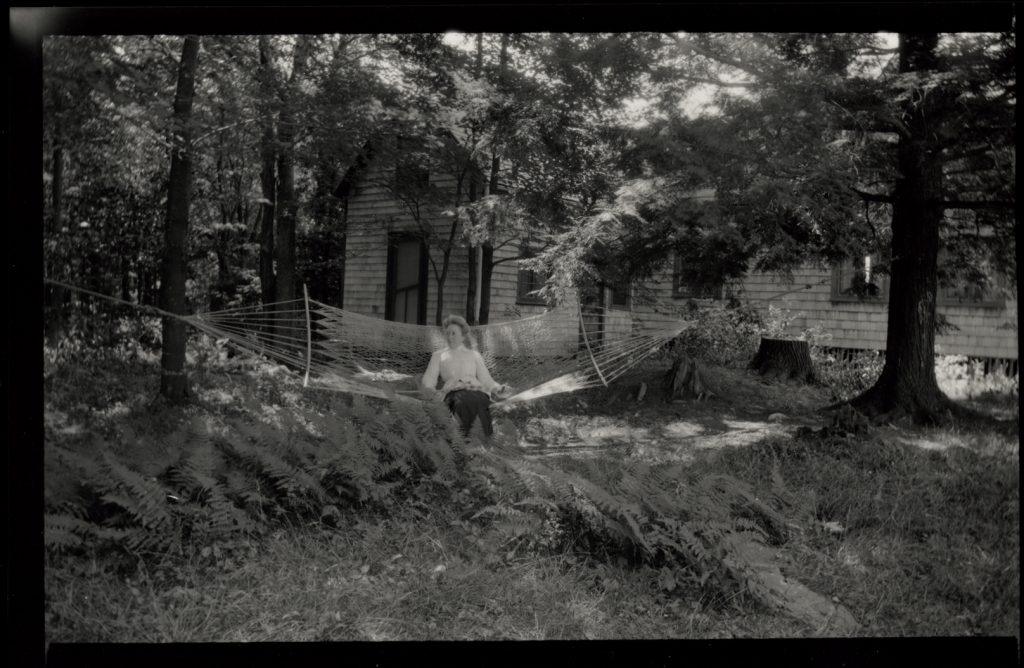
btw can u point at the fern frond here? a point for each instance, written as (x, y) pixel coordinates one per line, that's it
(88, 467)
(64, 531)
(150, 495)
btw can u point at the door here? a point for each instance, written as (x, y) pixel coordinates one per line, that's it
(406, 280)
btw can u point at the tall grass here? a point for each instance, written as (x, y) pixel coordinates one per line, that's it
(259, 512)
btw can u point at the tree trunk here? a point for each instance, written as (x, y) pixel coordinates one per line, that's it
(907, 384)
(268, 174)
(474, 192)
(288, 205)
(487, 265)
(783, 359)
(56, 294)
(173, 381)
(439, 311)
(487, 271)
(471, 256)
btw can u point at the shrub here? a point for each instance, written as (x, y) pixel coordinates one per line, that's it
(847, 374)
(721, 336)
(730, 336)
(963, 378)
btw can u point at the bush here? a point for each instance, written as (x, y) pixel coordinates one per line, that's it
(721, 336)
(963, 378)
(730, 336)
(847, 374)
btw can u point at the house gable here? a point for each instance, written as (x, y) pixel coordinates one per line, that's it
(375, 213)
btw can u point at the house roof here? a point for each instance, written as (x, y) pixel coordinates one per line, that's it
(366, 155)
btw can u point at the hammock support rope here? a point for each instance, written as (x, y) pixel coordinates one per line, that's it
(561, 350)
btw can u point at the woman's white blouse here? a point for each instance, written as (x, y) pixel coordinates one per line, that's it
(459, 369)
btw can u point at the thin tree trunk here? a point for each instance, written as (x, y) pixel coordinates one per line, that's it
(439, 311)
(486, 271)
(487, 249)
(471, 266)
(268, 173)
(56, 313)
(173, 381)
(907, 383)
(474, 188)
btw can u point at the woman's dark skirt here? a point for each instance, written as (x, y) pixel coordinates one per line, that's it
(467, 406)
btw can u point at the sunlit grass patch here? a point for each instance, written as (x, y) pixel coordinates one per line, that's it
(915, 541)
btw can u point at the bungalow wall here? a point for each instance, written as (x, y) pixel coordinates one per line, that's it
(373, 213)
(983, 331)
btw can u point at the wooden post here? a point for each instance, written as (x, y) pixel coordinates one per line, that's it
(586, 341)
(309, 337)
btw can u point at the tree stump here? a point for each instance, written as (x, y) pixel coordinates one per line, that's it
(783, 359)
(685, 380)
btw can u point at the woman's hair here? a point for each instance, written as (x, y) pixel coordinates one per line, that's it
(453, 319)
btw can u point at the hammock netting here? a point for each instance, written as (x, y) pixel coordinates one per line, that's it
(564, 349)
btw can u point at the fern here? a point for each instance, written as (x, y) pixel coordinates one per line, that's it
(149, 497)
(656, 512)
(64, 531)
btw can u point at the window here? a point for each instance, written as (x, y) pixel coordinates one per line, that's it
(406, 282)
(859, 280)
(619, 295)
(964, 293)
(528, 281)
(685, 287)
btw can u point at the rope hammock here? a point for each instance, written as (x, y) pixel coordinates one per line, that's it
(566, 348)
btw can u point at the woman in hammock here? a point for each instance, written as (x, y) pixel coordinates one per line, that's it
(467, 385)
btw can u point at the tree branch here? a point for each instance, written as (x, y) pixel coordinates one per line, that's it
(686, 43)
(723, 84)
(873, 197)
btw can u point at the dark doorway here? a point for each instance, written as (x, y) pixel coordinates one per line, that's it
(406, 290)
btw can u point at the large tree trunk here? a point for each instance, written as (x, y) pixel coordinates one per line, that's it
(173, 381)
(907, 384)
(288, 205)
(268, 173)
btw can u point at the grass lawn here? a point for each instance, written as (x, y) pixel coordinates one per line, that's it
(914, 531)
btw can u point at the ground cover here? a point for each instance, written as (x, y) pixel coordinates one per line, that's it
(913, 531)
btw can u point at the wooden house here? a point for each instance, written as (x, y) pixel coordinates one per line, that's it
(982, 324)
(397, 237)
(395, 259)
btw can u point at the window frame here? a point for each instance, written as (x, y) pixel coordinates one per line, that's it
(838, 284)
(990, 299)
(523, 298)
(679, 292)
(626, 290)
